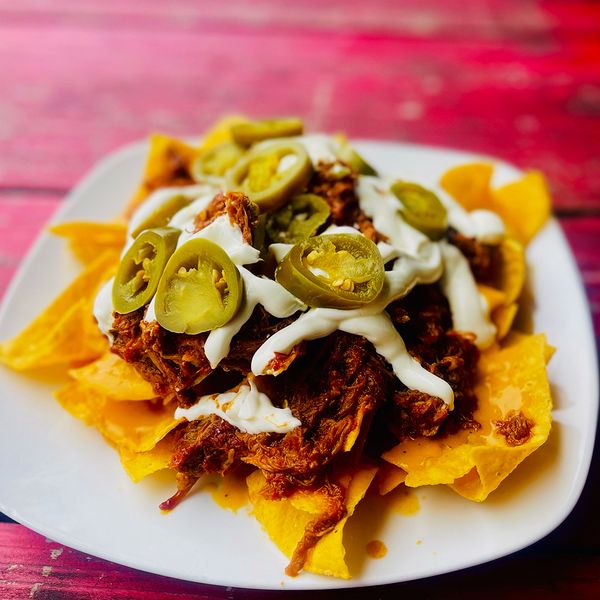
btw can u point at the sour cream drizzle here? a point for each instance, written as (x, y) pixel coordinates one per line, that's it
(103, 309)
(227, 235)
(248, 409)
(417, 260)
(466, 305)
(274, 298)
(162, 195)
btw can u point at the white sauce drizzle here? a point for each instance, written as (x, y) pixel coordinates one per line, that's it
(483, 225)
(185, 218)
(384, 209)
(103, 309)
(370, 322)
(227, 235)
(248, 409)
(275, 299)
(162, 195)
(459, 286)
(417, 260)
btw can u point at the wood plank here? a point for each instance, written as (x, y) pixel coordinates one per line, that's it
(31, 566)
(83, 89)
(583, 235)
(428, 18)
(22, 218)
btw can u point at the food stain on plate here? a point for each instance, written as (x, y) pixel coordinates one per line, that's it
(229, 492)
(403, 500)
(376, 549)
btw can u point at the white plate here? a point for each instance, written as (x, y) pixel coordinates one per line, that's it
(61, 479)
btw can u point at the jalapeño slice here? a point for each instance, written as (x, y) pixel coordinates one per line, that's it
(141, 268)
(421, 209)
(251, 132)
(162, 214)
(200, 289)
(339, 270)
(298, 219)
(355, 161)
(216, 161)
(269, 175)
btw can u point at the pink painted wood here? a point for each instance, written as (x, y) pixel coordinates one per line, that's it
(519, 79)
(39, 568)
(525, 86)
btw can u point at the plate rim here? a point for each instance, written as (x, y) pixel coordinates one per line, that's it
(129, 152)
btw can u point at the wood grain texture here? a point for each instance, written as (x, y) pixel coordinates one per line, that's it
(515, 81)
(41, 569)
(22, 217)
(518, 79)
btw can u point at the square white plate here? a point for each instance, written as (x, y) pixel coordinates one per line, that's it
(61, 479)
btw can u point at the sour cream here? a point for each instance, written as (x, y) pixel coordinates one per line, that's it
(248, 409)
(155, 201)
(372, 323)
(229, 236)
(411, 259)
(274, 298)
(103, 309)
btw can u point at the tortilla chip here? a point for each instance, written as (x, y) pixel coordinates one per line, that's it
(88, 239)
(285, 521)
(507, 286)
(166, 157)
(141, 464)
(220, 132)
(65, 332)
(114, 378)
(503, 318)
(512, 388)
(524, 205)
(469, 184)
(511, 275)
(134, 426)
(493, 297)
(389, 477)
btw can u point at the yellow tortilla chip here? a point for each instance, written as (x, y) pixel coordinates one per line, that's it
(389, 477)
(114, 378)
(285, 521)
(511, 275)
(469, 184)
(135, 426)
(493, 297)
(514, 400)
(166, 157)
(508, 284)
(524, 205)
(503, 318)
(220, 132)
(65, 333)
(141, 464)
(87, 239)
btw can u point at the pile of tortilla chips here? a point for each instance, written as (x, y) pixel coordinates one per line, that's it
(514, 396)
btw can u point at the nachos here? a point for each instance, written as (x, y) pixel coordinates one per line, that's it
(270, 306)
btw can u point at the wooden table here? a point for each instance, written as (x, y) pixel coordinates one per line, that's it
(519, 79)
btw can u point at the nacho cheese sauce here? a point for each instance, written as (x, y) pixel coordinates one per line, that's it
(411, 259)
